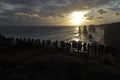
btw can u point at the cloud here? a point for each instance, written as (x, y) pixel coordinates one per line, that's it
(117, 14)
(114, 5)
(94, 18)
(46, 11)
(19, 2)
(101, 11)
(55, 5)
(114, 9)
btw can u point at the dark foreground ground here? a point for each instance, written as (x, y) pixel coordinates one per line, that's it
(49, 63)
(62, 67)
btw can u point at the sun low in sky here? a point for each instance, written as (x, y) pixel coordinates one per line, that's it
(77, 18)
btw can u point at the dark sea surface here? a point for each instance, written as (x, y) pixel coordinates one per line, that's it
(43, 33)
(66, 33)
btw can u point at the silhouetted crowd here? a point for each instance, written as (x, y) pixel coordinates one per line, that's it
(68, 47)
(60, 46)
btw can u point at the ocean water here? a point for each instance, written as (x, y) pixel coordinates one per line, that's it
(43, 33)
(66, 33)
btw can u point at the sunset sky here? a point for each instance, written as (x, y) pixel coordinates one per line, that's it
(58, 12)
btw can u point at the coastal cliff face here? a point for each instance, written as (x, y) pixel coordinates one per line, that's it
(112, 34)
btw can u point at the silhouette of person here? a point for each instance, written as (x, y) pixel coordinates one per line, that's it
(88, 48)
(79, 46)
(84, 46)
(68, 47)
(95, 48)
(43, 42)
(74, 45)
(100, 49)
(48, 43)
(62, 45)
(92, 47)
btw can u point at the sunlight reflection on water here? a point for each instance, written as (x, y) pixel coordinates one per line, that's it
(76, 35)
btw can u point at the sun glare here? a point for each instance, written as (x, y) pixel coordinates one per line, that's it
(77, 18)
